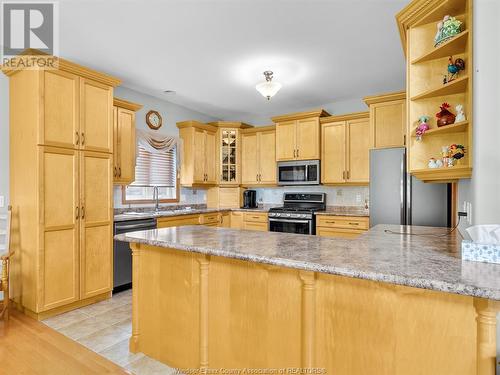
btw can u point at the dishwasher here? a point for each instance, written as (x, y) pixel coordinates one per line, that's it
(122, 264)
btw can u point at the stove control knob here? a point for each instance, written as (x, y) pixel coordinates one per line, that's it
(278, 214)
(288, 215)
(303, 215)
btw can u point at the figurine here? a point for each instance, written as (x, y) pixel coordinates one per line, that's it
(445, 117)
(460, 113)
(457, 152)
(445, 155)
(422, 127)
(433, 163)
(454, 68)
(446, 29)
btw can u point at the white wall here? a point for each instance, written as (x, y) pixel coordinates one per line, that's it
(486, 172)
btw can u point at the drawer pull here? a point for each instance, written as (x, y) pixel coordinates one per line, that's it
(330, 222)
(353, 223)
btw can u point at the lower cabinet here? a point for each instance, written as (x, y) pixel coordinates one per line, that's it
(178, 221)
(225, 219)
(341, 226)
(237, 219)
(255, 221)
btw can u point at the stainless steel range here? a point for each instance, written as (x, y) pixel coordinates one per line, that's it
(297, 213)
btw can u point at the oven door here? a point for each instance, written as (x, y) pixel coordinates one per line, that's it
(298, 172)
(291, 226)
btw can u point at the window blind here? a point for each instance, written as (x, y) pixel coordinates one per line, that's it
(155, 169)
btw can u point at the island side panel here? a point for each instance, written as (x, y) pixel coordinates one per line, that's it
(369, 327)
(255, 315)
(169, 306)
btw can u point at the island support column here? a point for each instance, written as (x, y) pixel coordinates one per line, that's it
(308, 318)
(486, 335)
(204, 266)
(134, 340)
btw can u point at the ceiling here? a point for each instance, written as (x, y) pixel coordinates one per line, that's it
(213, 52)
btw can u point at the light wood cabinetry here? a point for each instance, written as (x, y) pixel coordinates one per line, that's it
(258, 156)
(426, 65)
(61, 130)
(387, 120)
(224, 197)
(345, 149)
(255, 221)
(124, 141)
(298, 135)
(198, 166)
(228, 155)
(341, 226)
(237, 219)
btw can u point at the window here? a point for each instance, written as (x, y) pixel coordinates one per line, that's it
(153, 169)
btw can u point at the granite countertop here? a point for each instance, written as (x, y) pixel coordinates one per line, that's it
(124, 216)
(344, 211)
(427, 262)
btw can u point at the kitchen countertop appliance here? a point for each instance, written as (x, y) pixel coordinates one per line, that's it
(297, 213)
(122, 263)
(249, 199)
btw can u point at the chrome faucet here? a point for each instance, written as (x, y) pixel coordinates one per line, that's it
(156, 198)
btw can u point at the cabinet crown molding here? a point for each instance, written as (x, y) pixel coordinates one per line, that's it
(257, 129)
(196, 124)
(230, 124)
(67, 66)
(348, 116)
(300, 115)
(381, 98)
(122, 103)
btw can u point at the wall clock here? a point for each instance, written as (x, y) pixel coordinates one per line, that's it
(153, 119)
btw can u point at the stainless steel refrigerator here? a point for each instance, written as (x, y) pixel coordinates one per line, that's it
(398, 198)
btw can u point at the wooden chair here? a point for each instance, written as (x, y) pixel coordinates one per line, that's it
(4, 280)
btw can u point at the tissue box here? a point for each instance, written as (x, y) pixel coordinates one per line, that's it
(477, 252)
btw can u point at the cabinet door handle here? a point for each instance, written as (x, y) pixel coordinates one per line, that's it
(115, 174)
(119, 171)
(293, 153)
(260, 177)
(297, 152)
(343, 175)
(83, 138)
(77, 138)
(77, 215)
(348, 175)
(83, 212)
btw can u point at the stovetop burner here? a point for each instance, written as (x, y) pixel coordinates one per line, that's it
(299, 206)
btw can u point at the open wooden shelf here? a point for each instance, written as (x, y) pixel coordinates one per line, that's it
(457, 86)
(442, 174)
(458, 127)
(452, 47)
(451, 7)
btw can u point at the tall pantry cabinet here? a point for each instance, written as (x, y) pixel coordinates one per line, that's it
(61, 185)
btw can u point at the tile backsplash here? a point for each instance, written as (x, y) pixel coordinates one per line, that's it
(335, 196)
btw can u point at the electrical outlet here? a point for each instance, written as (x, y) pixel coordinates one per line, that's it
(469, 213)
(339, 192)
(358, 198)
(2, 201)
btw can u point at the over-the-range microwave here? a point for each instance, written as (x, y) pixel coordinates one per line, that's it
(304, 172)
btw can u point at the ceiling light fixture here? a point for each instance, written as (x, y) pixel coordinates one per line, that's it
(269, 88)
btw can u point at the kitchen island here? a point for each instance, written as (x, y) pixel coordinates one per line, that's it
(384, 303)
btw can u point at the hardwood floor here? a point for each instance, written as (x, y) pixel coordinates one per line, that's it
(30, 347)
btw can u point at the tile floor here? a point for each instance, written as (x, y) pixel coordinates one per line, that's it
(105, 328)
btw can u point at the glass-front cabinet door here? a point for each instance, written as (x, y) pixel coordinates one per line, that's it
(229, 169)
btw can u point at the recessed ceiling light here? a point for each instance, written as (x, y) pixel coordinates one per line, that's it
(169, 92)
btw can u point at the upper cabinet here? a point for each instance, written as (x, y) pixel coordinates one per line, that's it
(345, 148)
(429, 86)
(228, 152)
(298, 135)
(198, 167)
(77, 112)
(124, 141)
(387, 120)
(258, 156)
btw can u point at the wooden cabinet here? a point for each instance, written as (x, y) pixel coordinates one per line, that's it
(224, 197)
(198, 166)
(237, 219)
(61, 130)
(258, 156)
(124, 141)
(177, 221)
(225, 219)
(255, 221)
(387, 120)
(345, 149)
(298, 136)
(341, 226)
